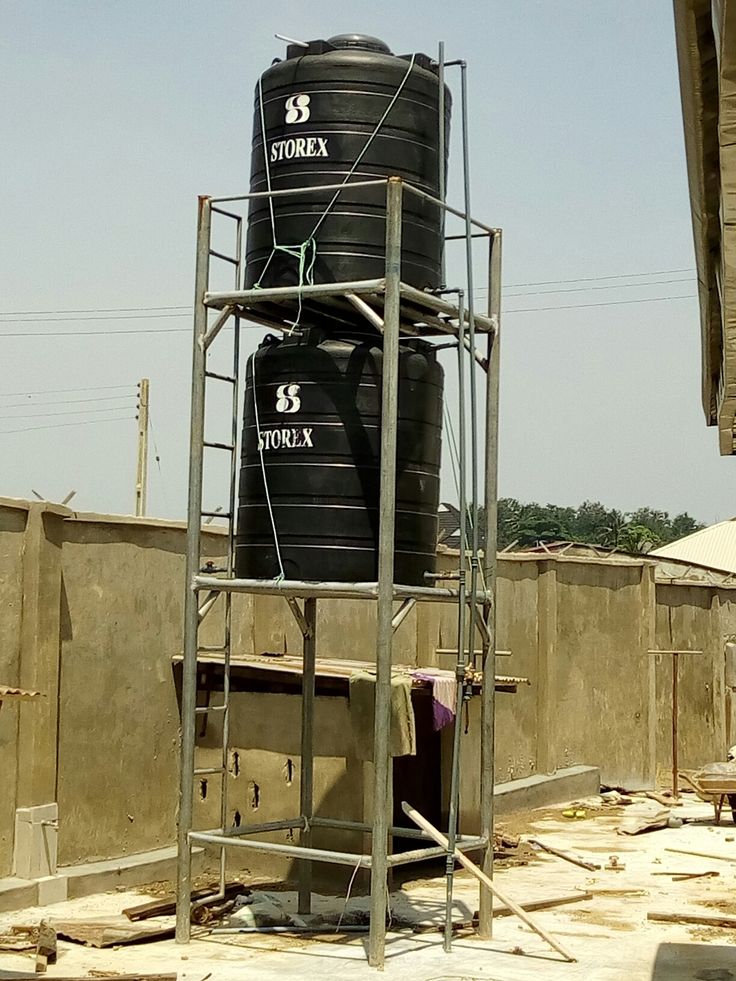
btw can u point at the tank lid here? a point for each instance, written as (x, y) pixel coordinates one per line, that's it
(363, 42)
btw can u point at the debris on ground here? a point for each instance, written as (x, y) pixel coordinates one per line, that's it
(649, 820)
(567, 856)
(45, 947)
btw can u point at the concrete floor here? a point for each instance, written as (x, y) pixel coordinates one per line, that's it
(609, 934)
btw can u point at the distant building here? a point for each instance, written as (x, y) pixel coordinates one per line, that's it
(706, 53)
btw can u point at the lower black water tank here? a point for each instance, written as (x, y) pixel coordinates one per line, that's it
(310, 468)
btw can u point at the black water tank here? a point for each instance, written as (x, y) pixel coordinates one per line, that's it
(321, 106)
(313, 405)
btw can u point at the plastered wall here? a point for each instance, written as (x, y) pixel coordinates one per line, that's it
(92, 614)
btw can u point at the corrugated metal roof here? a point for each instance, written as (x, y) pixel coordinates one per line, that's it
(713, 547)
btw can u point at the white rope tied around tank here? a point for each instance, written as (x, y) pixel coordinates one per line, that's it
(306, 268)
(282, 574)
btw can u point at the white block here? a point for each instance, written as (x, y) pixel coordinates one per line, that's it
(35, 848)
(52, 889)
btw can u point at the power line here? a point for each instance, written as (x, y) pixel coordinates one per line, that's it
(63, 425)
(611, 303)
(71, 412)
(74, 320)
(590, 289)
(595, 279)
(145, 310)
(60, 391)
(24, 313)
(39, 405)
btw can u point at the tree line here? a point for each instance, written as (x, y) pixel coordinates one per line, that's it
(523, 524)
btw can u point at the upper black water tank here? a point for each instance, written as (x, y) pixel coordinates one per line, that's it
(312, 431)
(321, 108)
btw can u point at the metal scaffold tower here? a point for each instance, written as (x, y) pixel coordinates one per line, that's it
(394, 309)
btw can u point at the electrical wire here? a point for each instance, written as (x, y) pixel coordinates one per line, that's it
(60, 391)
(71, 412)
(74, 320)
(610, 303)
(615, 286)
(63, 425)
(39, 405)
(28, 313)
(145, 310)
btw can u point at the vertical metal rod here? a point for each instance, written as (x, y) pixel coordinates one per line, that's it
(488, 696)
(193, 559)
(441, 177)
(675, 713)
(471, 338)
(384, 634)
(306, 783)
(141, 476)
(228, 633)
(461, 639)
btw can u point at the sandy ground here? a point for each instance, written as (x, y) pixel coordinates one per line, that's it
(609, 934)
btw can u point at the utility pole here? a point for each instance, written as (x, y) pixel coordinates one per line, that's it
(141, 478)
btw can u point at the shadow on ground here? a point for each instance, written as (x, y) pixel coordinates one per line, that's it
(695, 962)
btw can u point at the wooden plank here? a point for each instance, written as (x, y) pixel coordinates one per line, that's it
(573, 859)
(701, 919)
(87, 977)
(110, 932)
(684, 851)
(424, 824)
(167, 907)
(533, 905)
(45, 947)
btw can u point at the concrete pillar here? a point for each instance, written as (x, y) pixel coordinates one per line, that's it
(718, 660)
(40, 643)
(648, 641)
(546, 644)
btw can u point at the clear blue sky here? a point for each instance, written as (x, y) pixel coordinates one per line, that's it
(117, 114)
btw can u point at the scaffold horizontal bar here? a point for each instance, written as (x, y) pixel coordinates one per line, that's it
(422, 854)
(285, 192)
(327, 590)
(253, 829)
(397, 832)
(296, 851)
(220, 300)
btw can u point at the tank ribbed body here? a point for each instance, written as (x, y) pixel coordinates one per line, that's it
(320, 110)
(311, 450)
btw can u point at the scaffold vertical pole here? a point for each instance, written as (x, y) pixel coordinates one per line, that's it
(193, 560)
(306, 781)
(384, 632)
(488, 703)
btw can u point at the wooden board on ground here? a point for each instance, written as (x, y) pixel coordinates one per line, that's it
(700, 919)
(91, 977)
(165, 907)
(112, 931)
(533, 905)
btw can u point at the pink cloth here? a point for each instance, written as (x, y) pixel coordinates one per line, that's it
(444, 695)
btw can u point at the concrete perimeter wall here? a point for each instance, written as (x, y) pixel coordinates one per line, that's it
(92, 614)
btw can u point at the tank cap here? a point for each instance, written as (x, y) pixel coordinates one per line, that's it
(362, 42)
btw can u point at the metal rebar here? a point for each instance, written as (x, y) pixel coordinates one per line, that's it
(306, 782)
(384, 613)
(461, 639)
(488, 695)
(191, 613)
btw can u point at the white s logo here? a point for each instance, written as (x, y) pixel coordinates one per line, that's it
(287, 398)
(297, 109)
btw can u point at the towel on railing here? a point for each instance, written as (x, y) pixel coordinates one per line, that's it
(403, 737)
(444, 695)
